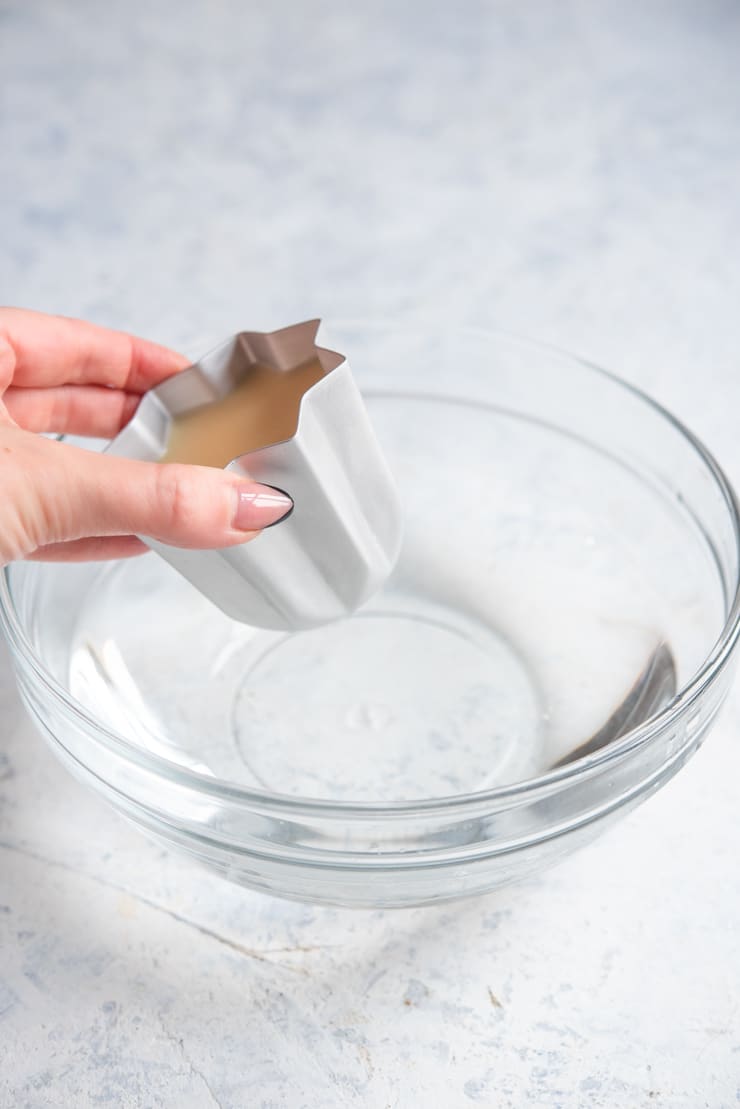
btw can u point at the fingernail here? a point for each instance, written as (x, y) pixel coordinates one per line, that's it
(260, 507)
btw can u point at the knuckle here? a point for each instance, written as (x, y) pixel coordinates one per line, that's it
(26, 515)
(7, 360)
(178, 503)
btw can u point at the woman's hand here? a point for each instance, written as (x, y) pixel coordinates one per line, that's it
(62, 502)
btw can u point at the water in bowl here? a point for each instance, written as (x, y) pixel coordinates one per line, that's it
(538, 578)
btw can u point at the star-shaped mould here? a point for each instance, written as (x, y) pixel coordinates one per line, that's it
(342, 539)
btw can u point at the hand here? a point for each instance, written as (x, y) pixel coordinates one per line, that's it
(62, 502)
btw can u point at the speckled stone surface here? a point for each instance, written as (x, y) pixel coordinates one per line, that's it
(567, 170)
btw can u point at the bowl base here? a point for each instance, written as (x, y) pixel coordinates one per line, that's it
(390, 705)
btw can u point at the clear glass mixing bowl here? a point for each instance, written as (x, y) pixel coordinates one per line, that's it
(553, 645)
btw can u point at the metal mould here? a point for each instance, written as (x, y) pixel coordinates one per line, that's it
(341, 540)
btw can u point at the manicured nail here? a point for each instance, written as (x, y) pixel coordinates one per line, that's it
(260, 507)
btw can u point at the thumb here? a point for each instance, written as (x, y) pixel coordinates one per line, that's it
(71, 493)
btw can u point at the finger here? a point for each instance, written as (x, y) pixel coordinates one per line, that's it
(64, 492)
(90, 550)
(41, 350)
(72, 409)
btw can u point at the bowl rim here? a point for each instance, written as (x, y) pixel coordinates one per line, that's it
(584, 767)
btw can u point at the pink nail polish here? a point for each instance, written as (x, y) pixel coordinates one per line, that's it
(260, 507)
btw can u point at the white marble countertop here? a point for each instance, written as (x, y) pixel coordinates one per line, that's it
(567, 170)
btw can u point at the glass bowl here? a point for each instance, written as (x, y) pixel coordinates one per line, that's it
(553, 645)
